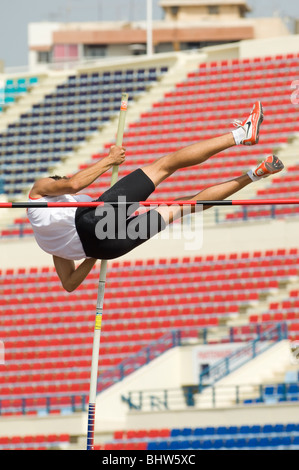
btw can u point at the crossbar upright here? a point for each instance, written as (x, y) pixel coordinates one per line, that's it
(100, 299)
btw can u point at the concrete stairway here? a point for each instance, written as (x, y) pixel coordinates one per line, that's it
(264, 368)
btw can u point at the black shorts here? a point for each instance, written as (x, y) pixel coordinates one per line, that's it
(110, 231)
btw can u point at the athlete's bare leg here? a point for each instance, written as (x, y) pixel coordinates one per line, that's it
(191, 155)
(217, 192)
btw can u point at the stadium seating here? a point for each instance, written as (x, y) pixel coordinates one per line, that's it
(64, 119)
(200, 107)
(203, 106)
(286, 310)
(14, 88)
(35, 442)
(265, 437)
(277, 393)
(48, 332)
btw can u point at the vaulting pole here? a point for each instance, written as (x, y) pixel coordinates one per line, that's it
(100, 300)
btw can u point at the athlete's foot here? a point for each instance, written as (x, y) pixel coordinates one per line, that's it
(248, 131)
(269, 166)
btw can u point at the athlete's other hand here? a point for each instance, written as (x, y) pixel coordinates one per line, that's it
(117, 155)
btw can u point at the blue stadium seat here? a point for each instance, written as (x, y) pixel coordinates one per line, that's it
(152, 446)
(175, 445)
(282, 399)
(264, 442)
(209, 431)
(33, 80)
(175, 432)
(269, 390)
(278, 428)
(281, 389)
(253, 442)
(186, 432)
(218, 443)
(256, 429)
(291, 427)
(198, 432)
(184, 444)
(195, 444)
(267, 428)
(274, 441)
(232, 430)
(229, 443)
(244, 430)
(221, 430)
(241, 443)
(286, 441)
(158, 445)
(293, 388)
(206, 444)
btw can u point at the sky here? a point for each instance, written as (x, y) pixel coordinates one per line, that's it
(16, 14)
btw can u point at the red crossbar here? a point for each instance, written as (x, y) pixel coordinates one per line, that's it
(248, 202)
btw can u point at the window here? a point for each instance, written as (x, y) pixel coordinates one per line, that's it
(94, 50)
(138, 49)
(43, 57)
(174, 11)
(213, 9)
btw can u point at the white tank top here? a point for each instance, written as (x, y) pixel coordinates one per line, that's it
(55, 230)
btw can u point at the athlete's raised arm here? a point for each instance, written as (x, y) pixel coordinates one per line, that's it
(58, 186)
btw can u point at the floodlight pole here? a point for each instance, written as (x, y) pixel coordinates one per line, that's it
(149, 27)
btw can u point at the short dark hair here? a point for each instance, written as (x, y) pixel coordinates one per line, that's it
(56, 177)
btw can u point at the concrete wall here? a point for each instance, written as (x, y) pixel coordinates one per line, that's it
(270, 28)
(237, 238)
(262, 47)
(201, 13)
(270, 46)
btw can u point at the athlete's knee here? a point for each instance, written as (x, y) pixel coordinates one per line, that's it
(159, 170)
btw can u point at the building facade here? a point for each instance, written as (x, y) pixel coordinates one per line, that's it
(187, 24)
